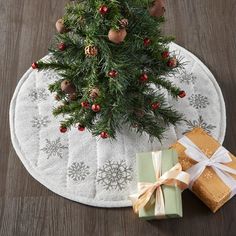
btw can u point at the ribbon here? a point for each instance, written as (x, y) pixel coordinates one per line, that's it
(174, 177)
(216, 162)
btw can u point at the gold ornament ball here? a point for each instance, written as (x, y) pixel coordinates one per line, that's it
(91, 51)
(60, 26)
(158, 8)
(117, 36)
(67, 87)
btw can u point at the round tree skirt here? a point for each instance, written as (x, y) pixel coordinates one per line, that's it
(100, 172)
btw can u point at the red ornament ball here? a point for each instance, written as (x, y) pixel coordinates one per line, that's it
(96, 107)
(63, 129)
(113, 73)
(61, 47)
(35, 65)
(143, 78)
(104, 135)
(81, 128)
(147, 42)
(182, 94)
(103, 10)
(155, 106)
(165, 55)
(85, 104)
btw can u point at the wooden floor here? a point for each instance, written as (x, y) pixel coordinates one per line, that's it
(205, 27)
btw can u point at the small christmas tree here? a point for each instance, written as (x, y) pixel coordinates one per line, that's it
(113, 61)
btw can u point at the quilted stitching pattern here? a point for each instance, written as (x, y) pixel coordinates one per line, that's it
(99, 172)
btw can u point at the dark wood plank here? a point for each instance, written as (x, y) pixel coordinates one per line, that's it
(207, 28)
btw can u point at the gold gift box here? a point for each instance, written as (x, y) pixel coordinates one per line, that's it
(209, 187)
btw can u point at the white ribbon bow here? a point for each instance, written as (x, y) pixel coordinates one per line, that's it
(217, 161)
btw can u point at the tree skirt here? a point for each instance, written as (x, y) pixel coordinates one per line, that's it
(100, 172)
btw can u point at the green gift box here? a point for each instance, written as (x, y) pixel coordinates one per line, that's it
(171, 194)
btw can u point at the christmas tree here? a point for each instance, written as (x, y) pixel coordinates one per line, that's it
(113, 61)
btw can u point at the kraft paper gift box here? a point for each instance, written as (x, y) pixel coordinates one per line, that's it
(211, 167)
(160, 174)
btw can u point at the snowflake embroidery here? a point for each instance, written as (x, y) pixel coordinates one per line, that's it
(39, 122)
(198, 101)
(54, 148)
(78, 171)
(114, 175)
(187, 78)
(200, 123)
(38, 94)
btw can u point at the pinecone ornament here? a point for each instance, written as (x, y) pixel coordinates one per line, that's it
(94, 93)
(91, 51)
(124, 23)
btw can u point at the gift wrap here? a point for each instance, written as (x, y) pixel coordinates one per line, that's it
(165, 201)
(211, 167)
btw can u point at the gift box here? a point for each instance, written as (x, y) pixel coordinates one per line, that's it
(211, 167)
(160, 182)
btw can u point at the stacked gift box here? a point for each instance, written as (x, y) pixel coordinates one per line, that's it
(196, 161)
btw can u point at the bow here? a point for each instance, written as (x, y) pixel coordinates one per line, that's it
(174, 177)
(216, 162)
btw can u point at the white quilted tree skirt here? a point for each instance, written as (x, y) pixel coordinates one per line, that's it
(99, 172)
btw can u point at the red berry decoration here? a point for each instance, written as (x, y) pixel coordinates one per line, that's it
(155, 106)
(147, 42)
(182, 94)
(112, 73)
(85, 104)
(96, 107)
(143, 77)
(103, 10)
(63, 129)
(172, 62)
(62, 47)
(104, 135)
(81, 128)
(35, 65)
(165, 55)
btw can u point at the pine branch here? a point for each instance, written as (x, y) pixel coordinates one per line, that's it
(123, 98)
